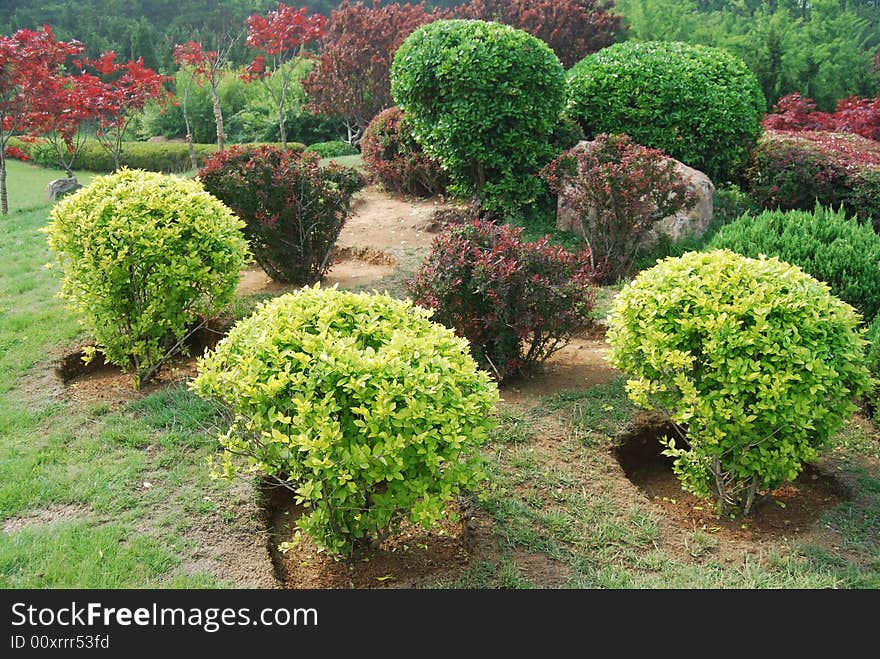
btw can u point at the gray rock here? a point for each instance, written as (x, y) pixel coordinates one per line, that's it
(62, 186)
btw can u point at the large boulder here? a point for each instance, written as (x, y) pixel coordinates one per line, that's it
(694, 221)
(62, 186)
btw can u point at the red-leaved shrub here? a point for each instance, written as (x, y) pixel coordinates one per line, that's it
(516, 302)
(572, 28)
(13, 151)
(393, 157)
(293, 208)
(619, 191)
(852, 115)
(795, 169)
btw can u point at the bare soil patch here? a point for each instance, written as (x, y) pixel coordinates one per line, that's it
(581, 364)
(51, 515)
(785, 512)
(413, 558)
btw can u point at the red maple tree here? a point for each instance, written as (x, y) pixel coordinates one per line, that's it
(30, 60)
(572, 28)
(852, 115)
(63, 106)
(351, 78)
(126, 89)
(281, 36)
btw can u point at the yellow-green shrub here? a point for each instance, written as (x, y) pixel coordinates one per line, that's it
(144, 256)
(755, 357)
(359, 403)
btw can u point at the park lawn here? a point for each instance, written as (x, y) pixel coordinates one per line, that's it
(96, 495)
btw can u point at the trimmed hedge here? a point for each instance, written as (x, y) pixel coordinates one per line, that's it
(165, 157)
(332, 149)
(825, 243)
(144, 257)
(698, 104)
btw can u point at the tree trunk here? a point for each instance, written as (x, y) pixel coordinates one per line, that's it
(281, 96)
(281, 123)
(189, 137)
(218, 118)
(4, 201)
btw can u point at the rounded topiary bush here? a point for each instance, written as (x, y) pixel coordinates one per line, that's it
(825, 243)
(698, 104)
(394, 158)
(292, 207)
(484, 99)
(144, 256)
(516, 302)
(360, 403)
(755, 357)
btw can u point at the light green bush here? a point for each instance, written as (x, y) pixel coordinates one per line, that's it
(756, 358)
(144, 257)
(363, 406)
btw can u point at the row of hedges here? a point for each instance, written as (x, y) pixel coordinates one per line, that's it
(167, 157)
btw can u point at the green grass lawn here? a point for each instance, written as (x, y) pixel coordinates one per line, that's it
(26, 184)
(101, 495)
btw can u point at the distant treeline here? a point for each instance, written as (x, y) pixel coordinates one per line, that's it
(825, 49)
(148, 28)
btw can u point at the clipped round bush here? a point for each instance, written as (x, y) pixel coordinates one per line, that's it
(516, 302)
(698, 104)
(292, 207)
(394, 158)
(755, 357)
(144, 256)
(483, 99)
(332, 149)
(360, 403)
(825, 243)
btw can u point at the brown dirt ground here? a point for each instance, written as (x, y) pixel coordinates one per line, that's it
(381, 230)
(43, 517)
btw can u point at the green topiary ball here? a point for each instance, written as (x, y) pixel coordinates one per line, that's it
(755, 357)
(360, 403)
(143, 257)
(698, 104)
(484, 99)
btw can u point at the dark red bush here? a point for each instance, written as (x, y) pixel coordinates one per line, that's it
(294, 209)
(572, 28)
(619, 191)
(516, 302)
(13, 151)
(852, 115)
(394, 158)
(794, 169)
